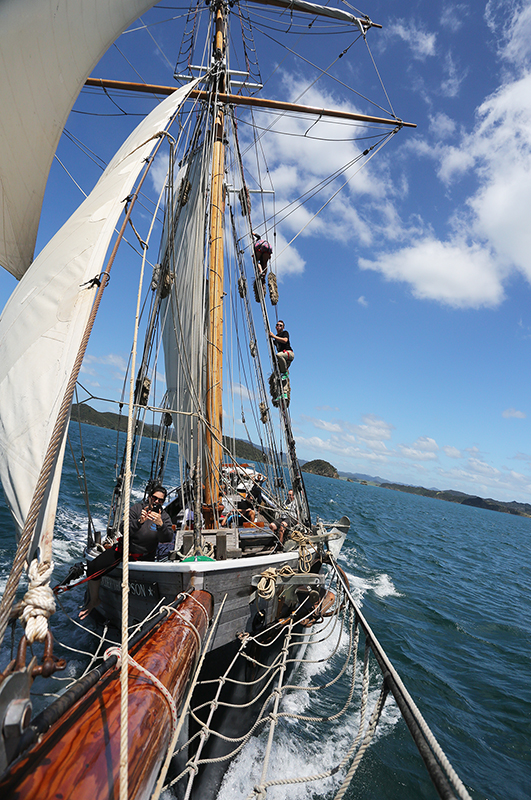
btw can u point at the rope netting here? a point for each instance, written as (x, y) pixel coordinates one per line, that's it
(319, 666)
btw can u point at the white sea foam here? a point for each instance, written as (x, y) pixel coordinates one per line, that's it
(383, 586)
(302, 748)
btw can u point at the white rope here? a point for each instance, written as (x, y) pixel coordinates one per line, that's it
(39, 601)
(124, 677)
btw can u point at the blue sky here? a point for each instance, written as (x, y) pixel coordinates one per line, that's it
(407, 298)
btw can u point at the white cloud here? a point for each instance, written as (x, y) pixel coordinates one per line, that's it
(479, 467)
(307, 201)
(426, 444)
(453, 273)
(239, 390)
(489, 236)
(442, 126)
(454, 76)
(332, 427)
(451, 452)
(362, 301)
(522, 457)
(373, 429)
(516, 42)
(452, 16)
(96, 365)
(416, 454)
(512, 413)
(159, 172)
(421, 43)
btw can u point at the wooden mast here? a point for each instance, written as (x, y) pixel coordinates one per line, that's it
(214, 392)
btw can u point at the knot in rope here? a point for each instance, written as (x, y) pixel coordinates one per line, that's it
(38, 602)
(260, 790)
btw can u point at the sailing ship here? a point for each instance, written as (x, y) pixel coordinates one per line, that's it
(223, 616)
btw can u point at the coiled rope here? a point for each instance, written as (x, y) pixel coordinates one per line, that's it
(268, 580)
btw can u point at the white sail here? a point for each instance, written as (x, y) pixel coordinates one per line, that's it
(47, 50)
(43, 322)
(183, 312)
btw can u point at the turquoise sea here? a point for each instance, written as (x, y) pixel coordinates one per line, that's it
(445, 588)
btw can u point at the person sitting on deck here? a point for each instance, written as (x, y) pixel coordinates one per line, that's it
(291, 506)
(262, 253)
(148, 526)
(244, 512)
(282, 343)
(246, 508)
(280, 528)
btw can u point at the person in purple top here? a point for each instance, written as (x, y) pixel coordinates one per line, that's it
(262, 253)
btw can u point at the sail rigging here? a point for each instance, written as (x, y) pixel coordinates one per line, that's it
(44, 320)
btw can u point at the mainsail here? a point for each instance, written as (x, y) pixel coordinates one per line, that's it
(47, 50)
(44, 320)
(183, 311)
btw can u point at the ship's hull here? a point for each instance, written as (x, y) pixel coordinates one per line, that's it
(229, 582)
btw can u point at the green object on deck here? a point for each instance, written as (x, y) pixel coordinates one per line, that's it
(198, 558)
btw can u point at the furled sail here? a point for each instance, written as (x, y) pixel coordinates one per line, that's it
(183, 312)
(47, 50)
(44, 320)
(319, 11)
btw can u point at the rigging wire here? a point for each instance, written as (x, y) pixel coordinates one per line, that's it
(377, 149)
(324, 71)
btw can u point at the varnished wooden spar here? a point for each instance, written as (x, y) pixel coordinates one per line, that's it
(256, 102)
(78, 758)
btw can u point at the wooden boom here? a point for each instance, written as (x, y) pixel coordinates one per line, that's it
(78, 758)
(256, 102)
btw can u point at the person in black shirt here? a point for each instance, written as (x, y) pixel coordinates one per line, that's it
(282, 343)
(246, 508)
(148, 525)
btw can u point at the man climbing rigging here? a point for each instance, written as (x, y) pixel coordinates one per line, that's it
(282, 343)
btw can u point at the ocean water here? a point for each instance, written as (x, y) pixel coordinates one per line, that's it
(445, 588)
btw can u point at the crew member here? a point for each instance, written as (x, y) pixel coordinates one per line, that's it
(280, 528)
(282, 343)
(148, 526)
(262, 253)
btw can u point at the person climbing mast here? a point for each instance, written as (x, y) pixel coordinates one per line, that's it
(262, 254)
(282, 343)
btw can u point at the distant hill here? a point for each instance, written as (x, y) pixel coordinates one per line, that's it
(115, 422)
(519, 509)
(250, 452)
(319, 467)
